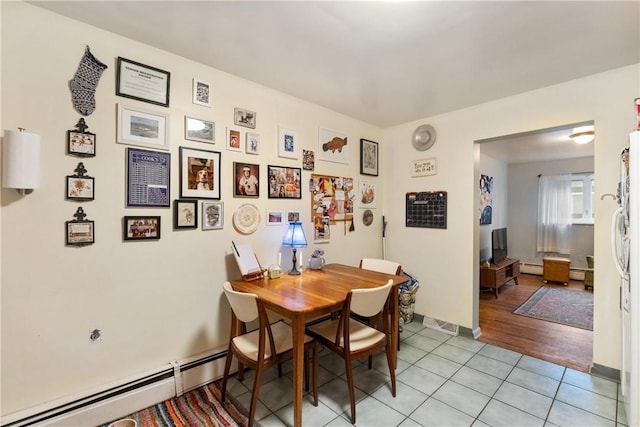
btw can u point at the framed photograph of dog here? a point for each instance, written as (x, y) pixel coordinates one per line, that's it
(141, 228)
(199, 130)
(246, 118)
(284, 183)
(245, 177)
(185, 214)
(212, 215)
(199, 173)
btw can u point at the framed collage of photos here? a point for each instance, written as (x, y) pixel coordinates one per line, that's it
(141, 228)
(284, 182)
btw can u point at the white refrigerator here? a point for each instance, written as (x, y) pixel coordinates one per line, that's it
(625, 237)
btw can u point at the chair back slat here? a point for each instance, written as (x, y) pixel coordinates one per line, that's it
(380, 265)
(243, 304)
(369, 302)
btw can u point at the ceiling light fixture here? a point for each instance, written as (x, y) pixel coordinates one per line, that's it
(583, 135)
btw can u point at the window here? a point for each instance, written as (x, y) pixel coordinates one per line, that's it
(582, 193)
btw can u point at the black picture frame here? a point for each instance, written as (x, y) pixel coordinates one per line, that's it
(185, 214)
(246, 186)
(368, 157)
(81, 144)
(142, 82)
(141, 227)
(192, 162)
(148, 178)
(284, 182)
(79, 233)
(80, 188)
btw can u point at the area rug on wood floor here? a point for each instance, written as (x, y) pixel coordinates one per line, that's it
(199, 407)
(566, 306)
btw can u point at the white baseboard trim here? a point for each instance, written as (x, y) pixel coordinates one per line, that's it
(114, 401)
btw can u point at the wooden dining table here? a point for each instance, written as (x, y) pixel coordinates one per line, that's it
(315, 293)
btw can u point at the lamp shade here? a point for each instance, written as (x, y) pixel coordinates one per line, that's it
(20, 160)
(295, 236)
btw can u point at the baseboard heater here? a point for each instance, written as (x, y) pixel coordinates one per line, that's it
(116, 400)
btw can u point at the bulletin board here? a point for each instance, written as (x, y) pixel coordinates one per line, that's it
(427, 209)
(331, 197)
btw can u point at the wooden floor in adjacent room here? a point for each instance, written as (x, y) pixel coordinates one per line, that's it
(553, 342)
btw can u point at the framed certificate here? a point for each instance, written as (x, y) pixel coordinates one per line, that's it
(142, 82)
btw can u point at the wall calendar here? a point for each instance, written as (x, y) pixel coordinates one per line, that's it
(427, 209)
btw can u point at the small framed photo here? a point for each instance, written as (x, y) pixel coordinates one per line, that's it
(246, 118)
(80, 188)
(212, 215)
(81, 143)
(141, 227)
(199, 130)
(201, 93)
(252, 143)
(284, 182)
(368, 194)
(293, 216)
(199, 173)
(233, 140)
(368, 157)
(142, 128)
(275, 218)
(245, 177)
(288, 144)
(308, 160)
(185, 214)
(79, 232)
(142, 82)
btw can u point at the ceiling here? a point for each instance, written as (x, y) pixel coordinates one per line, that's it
(383, 62)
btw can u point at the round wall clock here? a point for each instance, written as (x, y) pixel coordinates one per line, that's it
(246, 218)
(423, 137)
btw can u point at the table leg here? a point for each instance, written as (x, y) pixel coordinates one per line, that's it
(395, 324)
(298, 368)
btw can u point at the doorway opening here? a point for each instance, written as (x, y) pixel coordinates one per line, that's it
(514, 164)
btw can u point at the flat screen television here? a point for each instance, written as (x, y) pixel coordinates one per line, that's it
(498, 245)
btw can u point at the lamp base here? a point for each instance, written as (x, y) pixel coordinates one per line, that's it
(294, 271)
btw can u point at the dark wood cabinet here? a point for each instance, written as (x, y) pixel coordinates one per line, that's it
(496, 275)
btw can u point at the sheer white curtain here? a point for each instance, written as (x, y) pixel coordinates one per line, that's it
(554, 213)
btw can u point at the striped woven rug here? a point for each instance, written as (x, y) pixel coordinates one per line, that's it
(199, 407)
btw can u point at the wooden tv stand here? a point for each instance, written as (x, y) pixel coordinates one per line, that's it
(497, 275)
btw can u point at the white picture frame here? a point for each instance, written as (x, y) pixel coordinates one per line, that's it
(142, 128)
(332, 145)
(288, 143)
(201, 93)
(199, 130)
(212, 215)
(367, 194)
(252, 143)
(275, 217)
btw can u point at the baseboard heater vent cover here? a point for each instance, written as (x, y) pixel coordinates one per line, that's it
(440, 325)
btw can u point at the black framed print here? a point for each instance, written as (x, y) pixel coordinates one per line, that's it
(199, 173)
(81, 143)
(284, 182)
(141, 228)
(368, 157)
(79, 231)
(185, 214)
(142, 82)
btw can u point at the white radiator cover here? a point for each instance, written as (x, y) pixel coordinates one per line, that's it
(116, 400)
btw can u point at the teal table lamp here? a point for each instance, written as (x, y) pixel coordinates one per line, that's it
(294, 239)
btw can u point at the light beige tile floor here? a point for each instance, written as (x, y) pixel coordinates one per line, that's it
(444, 380)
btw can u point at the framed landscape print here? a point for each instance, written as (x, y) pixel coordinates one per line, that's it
(368, 157)
(199, 130)
(275, 217)
(142, 128)
(199, 173)
(284, 182)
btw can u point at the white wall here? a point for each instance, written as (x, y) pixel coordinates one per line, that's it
(523, 210)
(446, 261)
(153, 301)
(500, 197)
